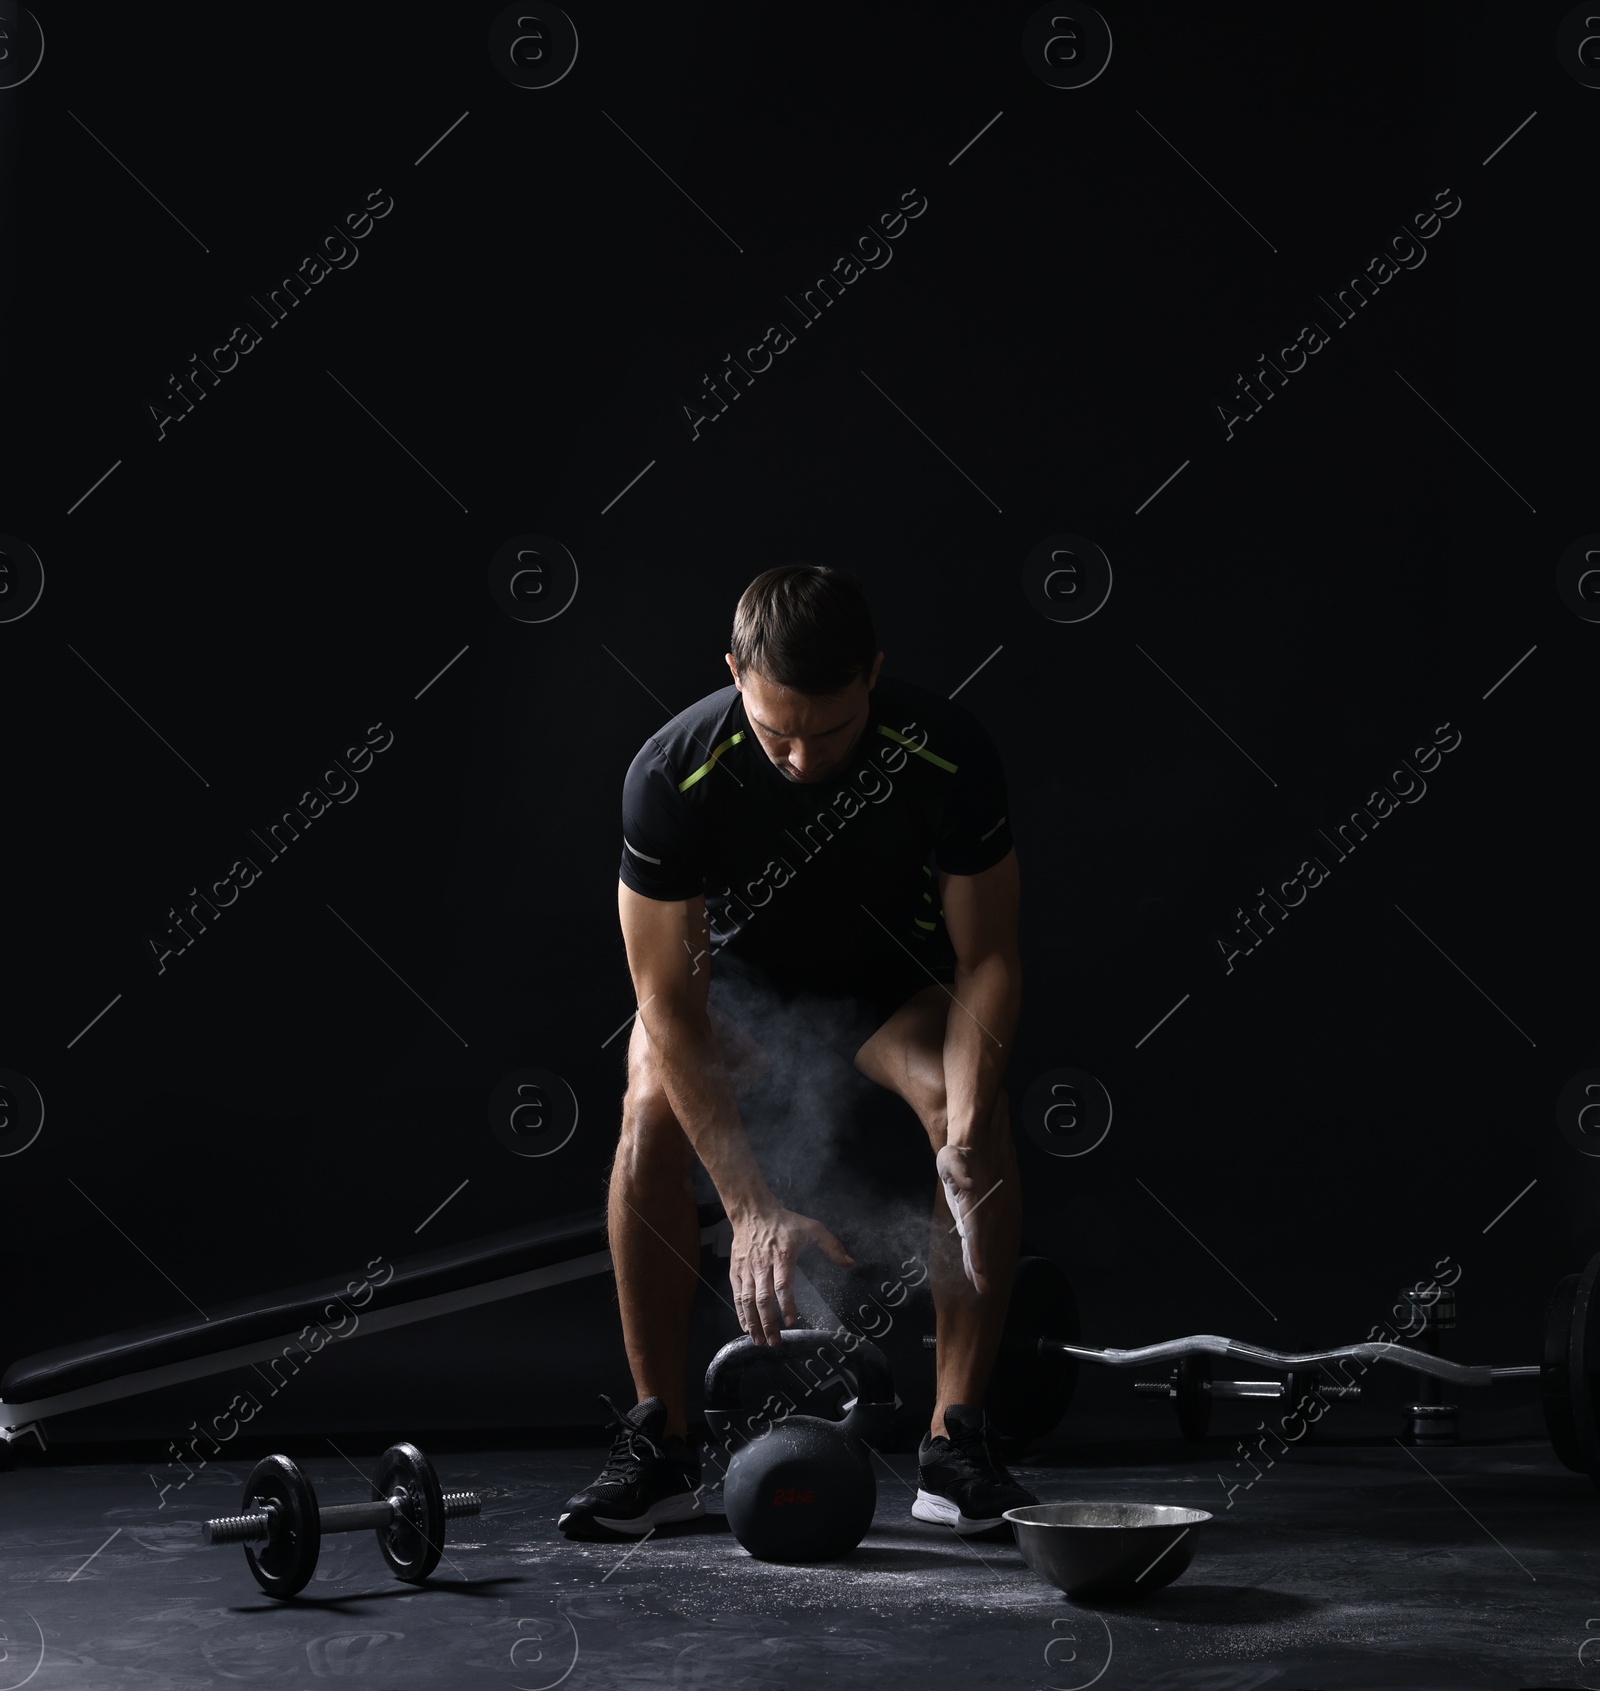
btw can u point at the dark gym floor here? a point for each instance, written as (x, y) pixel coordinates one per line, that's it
(1347, 1564)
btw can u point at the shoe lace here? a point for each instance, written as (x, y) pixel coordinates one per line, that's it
(628, 1450)
(969, 1453)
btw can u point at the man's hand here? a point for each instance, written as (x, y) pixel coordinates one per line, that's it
(969, 1174)
(766, 1243)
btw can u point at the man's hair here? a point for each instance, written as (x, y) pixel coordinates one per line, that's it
(804, 626)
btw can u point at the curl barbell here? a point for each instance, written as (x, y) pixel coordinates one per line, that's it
(1035, 1386)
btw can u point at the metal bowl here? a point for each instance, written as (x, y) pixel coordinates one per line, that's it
(1107, 1551)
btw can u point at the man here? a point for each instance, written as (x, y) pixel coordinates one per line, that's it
(812, 829)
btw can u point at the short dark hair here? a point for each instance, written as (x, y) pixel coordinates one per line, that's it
(804, 626)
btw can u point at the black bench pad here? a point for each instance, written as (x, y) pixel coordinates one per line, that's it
(450, 1268)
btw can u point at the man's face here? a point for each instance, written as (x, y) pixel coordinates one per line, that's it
(808, 737)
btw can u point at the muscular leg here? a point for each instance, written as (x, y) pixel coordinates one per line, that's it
(653, 1227)
(655, 1242)
(907, 1055)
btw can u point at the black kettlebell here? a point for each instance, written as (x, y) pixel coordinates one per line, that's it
(800, 1487)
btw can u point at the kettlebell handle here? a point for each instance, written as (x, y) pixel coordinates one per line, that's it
(840, 1354)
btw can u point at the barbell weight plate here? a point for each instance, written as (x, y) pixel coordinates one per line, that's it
(1194, 1400)
(1029, 1390)
(414, 1541)
(1583, 1358)
(284, 1564)
(1299, 1384)
(1296, 1383)
(1555, 1377)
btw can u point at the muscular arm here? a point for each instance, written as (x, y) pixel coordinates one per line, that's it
(669, 956)
(980, 912)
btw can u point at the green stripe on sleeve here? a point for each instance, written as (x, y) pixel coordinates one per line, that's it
(710, 763)
(911, 745)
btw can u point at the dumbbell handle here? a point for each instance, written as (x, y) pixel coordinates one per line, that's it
(337, 1517)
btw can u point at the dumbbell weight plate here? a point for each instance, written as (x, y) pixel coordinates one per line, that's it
(285, 1564)
(1194, 1400)
(413, 1542)
(1583, 1361)
(1029, 1391)
(1555, 1376)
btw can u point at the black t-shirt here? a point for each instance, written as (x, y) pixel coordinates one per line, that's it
(820, 885)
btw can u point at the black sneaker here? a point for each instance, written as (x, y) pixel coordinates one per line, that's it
(648, 1479)
(962, 1485)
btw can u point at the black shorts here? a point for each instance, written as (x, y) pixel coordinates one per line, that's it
(839, 1022)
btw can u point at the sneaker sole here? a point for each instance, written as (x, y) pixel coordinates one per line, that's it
(686, 1506)
(930, 1506)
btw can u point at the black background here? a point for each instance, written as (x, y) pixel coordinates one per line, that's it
(1330, 586)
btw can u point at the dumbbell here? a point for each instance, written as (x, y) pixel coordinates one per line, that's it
(282, 1528)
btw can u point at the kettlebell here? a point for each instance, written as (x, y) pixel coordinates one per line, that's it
(800, 1486)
